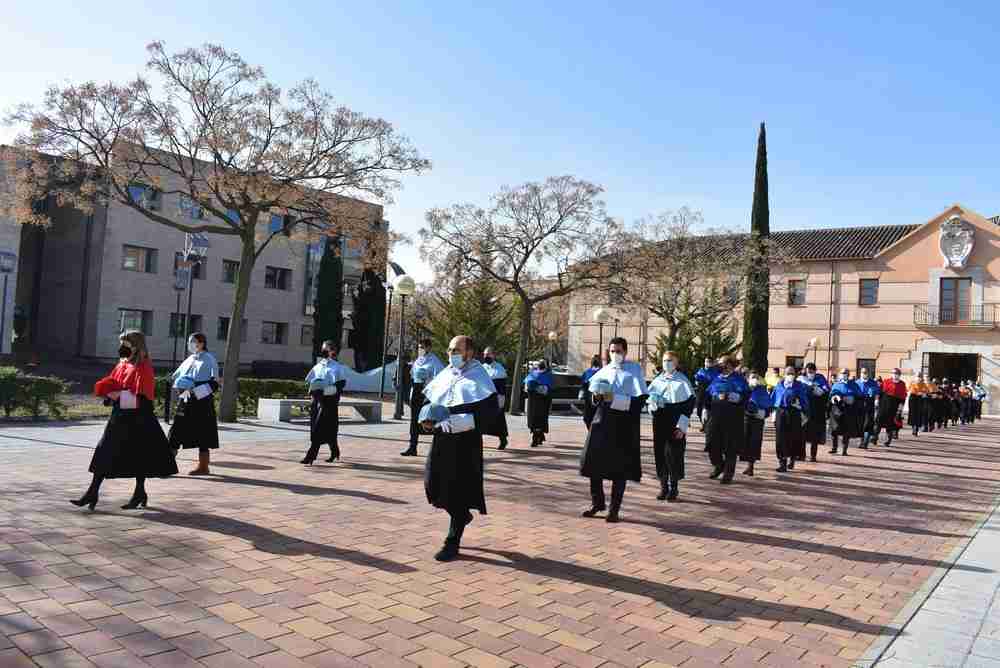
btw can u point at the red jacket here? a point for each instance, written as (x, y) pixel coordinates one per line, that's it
(136, 378)
(894, 388)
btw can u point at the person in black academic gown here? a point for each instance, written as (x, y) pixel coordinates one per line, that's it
(538, 385)
(495, 369)
(727, 397)
(422, 371)
(671, 401)
(585, 396)
(326, 383)
(462, 407)
(612, 449)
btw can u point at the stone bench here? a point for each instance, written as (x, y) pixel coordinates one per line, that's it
(280, 410)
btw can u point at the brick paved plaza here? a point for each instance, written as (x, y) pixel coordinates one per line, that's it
(270, 564)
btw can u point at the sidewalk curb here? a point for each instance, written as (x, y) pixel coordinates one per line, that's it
(878, 648)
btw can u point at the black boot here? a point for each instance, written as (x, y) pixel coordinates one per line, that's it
(791, 463)
(617, 494)
(596, 498)
(813, 450)
(664, 489)
(139, 496)
(534, 439)
(846, 441)
(782, 465)
(674, 489)
(716, 472)
(456, 528)
(90, 497)
(409, 452)
(503, 444)
(334, 453)
(310, 455)
(729, 471)
(749, 469)
(836, 446)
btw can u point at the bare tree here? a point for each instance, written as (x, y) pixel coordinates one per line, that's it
(212, 130)
(683, 273)
(558, 229)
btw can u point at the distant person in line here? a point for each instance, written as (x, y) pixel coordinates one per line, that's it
(326, 381)
(611, 451)
(424, 369)
(671, 401)
(195, 425)
(133, 444)
(870, 392)
(462, 406)
(819, 392)
(585, 396)
(790, 400)
(498, 373)
(758, 409)
(702, 379)
(981, 396)
(772, 378)
(538, 384)
(917, 405)
(727, 397)
(845, 411)
(935, 403)
(890, 406)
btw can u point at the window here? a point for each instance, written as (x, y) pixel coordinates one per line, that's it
(137, 258)
(177, 324)
(277, 278)
(129, 318)
(868, 291)
(145, 196)
(280, 224)
(191, 209)
(796, 292)
(222, 330)
(306, 338)
(956, 300)
(275, 333)
(353, 249)
(230, 271)
(868, 364)
(796, 361)
(197, 269)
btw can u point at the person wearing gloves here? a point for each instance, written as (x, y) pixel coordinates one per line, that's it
(790, 400)
(611, 451)
(585, 396)
(727, 395)
(702, 379)
(671, 401)
(757, 410)
(462, 406)
(496, 371)
(819, 390)
(326, 382)
(538, 385)
(890, 406)
(424, 369)
(133, 444)
(870, 392)
(195, 425)
(845, 404)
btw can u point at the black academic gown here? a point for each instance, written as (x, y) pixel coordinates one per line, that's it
(789, 434)
(916, 406)
(133, 445)
(324, 416)
(195, 423)
(417, 401)
(815, 431)
(453, 474)
(725, 430)
(668, 452)
(500, 385)
(539, 406)
(888, 406)
(611, 451)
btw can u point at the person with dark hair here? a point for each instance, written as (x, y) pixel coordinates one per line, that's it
(133, 444)
(498, 373)
(869, 393)
(790, 400)
(538, 385)
(916, 404)
(326, 382)
(818, 390)
(424, 368)
(758, 408)
(671, 401)
(890, 405)
(727, 397)
(462, 406)
(702, 379)
(585, 396)
(845, 409)
(612, 451)
(195, 425)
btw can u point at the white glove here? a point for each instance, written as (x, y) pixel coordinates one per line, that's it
(445, 426)
(202, 391)
(682, 423)
(185, 395)
(835, 399)
(127, 400)
(805, 419)
(761, 413)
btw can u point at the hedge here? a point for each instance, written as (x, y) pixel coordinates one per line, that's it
(249, 391)
(34, 394)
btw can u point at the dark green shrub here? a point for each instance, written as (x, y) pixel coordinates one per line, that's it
(8, 389)
(33, 394)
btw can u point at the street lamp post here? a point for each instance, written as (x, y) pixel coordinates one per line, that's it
(180, 284)
(553, 336)
(195, 252)
(616, 326)
(385, 339)
(601, 316)
(405, 286)
(7, 261)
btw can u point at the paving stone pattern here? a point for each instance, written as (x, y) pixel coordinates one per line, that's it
(270, 564)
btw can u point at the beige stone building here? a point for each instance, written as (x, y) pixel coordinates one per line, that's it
(922, 297)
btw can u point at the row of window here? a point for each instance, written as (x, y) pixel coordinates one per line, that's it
(798, 362)
(144, 260)
(867, 292)
(272, 333)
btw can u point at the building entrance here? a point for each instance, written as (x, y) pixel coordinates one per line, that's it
(953, 366)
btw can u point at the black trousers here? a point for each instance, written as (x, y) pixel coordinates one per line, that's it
(617, 493)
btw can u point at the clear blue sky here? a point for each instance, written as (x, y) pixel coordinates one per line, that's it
(876, 112)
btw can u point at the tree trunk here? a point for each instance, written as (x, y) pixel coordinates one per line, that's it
(522, 353)
(230, 372)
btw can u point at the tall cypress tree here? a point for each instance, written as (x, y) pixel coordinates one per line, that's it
(328, 315)
(758, 294)
(368, 318)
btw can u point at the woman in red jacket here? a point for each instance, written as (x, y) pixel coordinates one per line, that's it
(133, 444)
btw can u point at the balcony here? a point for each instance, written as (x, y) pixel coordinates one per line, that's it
(980, 315)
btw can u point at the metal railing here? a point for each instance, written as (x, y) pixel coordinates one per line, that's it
(978, 315)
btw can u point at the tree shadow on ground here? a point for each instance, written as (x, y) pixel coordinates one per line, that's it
(297, 488)
(270, 541)
(241, 465)
(696, 603)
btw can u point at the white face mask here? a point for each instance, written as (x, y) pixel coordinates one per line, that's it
(669, 365)
(843, 378)
(192, 347)
(617, 358)
(753, 382)
(456, 360)
(789, 380)
(421, 352)
(810, 374)
(864, 377)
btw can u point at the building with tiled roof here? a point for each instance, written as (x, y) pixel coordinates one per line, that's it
(921, 297)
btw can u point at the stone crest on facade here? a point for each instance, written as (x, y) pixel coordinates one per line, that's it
(956, 242)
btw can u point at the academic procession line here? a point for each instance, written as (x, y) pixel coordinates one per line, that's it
(459, 403)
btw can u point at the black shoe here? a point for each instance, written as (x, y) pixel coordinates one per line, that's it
(813, 459)
(137, 501)
(749, 471)
(791, 463)
(833, 451)
(447, 553)
(782, 468)
(409, 452)
(307, 461)
(612, 517)
(502, 446)
(334, 455)
(716, 473)
(593, 511)
(844, 453)
(726, 480)
(662, 496)
(89, 500)
(674, 491)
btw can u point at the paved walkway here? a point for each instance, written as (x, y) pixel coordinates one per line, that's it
(268, 563)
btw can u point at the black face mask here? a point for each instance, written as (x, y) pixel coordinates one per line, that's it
(488, 360)
(124, 351)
